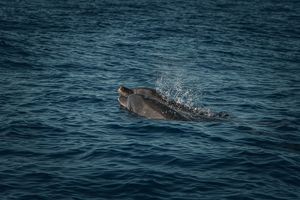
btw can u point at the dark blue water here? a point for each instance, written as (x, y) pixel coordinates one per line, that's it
(63, 135)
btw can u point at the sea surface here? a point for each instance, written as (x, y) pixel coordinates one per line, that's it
(64, 136)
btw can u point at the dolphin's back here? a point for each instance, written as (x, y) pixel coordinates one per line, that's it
(154, 94)
(150, 93)
(150, 108)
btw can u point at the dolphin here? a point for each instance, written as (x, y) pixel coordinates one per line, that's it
(152, 104)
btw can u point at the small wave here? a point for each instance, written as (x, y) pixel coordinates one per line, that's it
(27, 129)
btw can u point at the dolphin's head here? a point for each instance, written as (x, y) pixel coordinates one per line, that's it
(123, 91)
(123, 101)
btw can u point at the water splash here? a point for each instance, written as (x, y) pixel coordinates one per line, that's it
(188, 99)
(174, 88)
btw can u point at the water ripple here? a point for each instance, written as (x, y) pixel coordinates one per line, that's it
(63, 135)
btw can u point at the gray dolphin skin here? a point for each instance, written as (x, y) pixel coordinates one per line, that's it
(147, 92)
(148, 107)
(149, 103)
(153, 94)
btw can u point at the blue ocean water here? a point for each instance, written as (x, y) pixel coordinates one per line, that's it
(64, 136)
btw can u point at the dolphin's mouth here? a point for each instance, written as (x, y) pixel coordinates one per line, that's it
(120, 90)
(123, 101)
